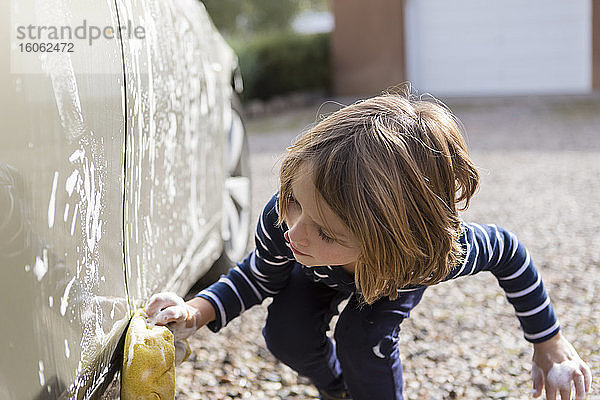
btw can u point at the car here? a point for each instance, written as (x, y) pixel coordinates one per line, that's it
(123, 173)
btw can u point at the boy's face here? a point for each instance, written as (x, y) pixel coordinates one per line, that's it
(311, 238)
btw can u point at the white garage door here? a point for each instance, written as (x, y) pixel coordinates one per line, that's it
(474, 47)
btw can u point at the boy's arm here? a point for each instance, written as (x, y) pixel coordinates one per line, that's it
(556, 364)
(491, 248)
(262, 274)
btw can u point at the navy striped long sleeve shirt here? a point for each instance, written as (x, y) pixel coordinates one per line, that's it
(487, 248)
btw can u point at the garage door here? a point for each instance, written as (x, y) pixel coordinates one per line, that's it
(473, 47)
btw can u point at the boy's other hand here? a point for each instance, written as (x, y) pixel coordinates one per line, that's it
(182, 318)
(556, 366)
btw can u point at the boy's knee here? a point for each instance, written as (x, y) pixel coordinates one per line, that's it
(364, 337)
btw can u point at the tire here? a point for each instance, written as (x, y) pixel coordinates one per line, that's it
(237, 201)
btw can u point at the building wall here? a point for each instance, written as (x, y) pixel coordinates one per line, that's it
(470, 47)
(367, 45)
(554, 48)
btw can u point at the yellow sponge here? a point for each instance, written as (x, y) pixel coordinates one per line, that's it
(148, 361)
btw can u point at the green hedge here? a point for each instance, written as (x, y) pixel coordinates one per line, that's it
(282, 62)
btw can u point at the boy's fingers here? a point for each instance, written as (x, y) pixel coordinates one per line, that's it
(160, 301)
(170, 314)
(565, 394)
(587, 376)
(550, 391)
(164, 317)
(579, 382)
(538, 380)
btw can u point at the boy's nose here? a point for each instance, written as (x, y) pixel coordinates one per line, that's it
(297, 234)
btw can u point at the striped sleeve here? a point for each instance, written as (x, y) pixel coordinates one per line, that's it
(262, 274)
(491, 248)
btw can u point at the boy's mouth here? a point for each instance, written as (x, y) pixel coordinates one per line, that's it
(294, 249)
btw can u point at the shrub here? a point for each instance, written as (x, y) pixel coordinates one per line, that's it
(277, 63)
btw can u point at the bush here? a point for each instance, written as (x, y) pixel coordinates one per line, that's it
(282, 62)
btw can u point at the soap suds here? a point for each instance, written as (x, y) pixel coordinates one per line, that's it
(64, 299)
(41, 265)
(41, 373)
(72, 179)
(59, 68)
(52, 203)
(561, 375)
(146, 374)
(66, 213)
(79, 153)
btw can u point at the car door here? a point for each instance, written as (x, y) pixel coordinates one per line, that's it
(62, 286)
(178, 90)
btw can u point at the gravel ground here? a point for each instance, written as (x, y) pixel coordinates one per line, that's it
(540, 165)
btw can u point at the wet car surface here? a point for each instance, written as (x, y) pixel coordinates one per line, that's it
(123, 172)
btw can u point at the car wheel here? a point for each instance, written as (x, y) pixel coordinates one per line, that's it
(235, 228)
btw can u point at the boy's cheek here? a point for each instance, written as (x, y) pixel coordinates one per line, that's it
(290, 217)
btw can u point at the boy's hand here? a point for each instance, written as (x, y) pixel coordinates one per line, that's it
(182, 318)
(556, 365)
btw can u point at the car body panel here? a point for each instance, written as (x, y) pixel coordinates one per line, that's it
(63, 286)
(177, 94)
(111, 182)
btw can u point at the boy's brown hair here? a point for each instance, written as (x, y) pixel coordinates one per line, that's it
(394, 168)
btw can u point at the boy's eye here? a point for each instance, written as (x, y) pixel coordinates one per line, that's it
(324, 237)
(292, 200)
